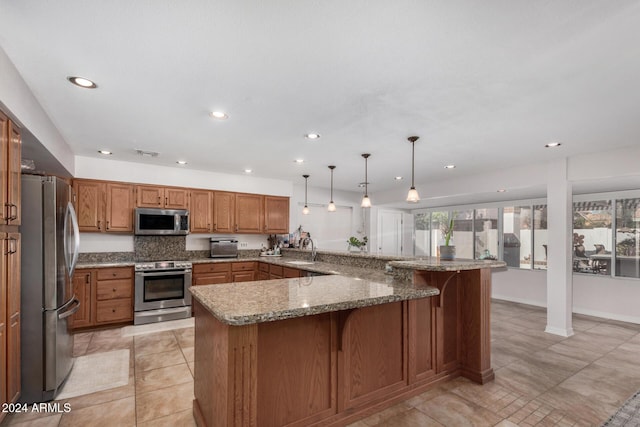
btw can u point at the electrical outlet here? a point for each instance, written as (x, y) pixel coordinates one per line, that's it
(243, 244)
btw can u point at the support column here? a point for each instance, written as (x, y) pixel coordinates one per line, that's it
(560, 249)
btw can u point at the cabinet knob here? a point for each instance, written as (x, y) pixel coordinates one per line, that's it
(107, 225)
(99, 224)
(114, 289)
(113, 310)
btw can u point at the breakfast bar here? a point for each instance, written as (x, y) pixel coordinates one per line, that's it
(328, 350)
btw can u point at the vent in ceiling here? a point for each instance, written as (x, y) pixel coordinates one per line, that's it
(146, 153)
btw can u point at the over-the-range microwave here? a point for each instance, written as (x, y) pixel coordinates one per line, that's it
(163, 222)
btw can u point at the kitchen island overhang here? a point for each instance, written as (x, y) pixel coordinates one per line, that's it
(333, 349)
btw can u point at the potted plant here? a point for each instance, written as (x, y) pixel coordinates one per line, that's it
(360, 245)
(447, 251)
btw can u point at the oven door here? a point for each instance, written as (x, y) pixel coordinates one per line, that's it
(162, 289)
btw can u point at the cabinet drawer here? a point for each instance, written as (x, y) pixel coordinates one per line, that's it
(212, 279)
(110, 289)
(117, 310)
(212, 267)
(276, 269)
(115, 273)
(243, 276)
(290, 272)
(263, 266)
(243, 266)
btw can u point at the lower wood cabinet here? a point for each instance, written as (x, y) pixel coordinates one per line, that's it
(105, 294)
(212, 273)
(9, 318)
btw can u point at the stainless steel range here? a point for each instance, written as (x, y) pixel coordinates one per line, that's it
(162, 291)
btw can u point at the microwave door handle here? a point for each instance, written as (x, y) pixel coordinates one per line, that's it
(176, 222)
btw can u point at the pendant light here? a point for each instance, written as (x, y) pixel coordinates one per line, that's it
(305, 210)
(332, 206)
(366, 202)
(412, 196)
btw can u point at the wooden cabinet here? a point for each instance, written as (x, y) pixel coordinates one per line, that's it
(211, 273)
(224, 219)
(243, 271)
(11, 332)
(104, 206)
(151, 196)
(10, 155)
(276, 272)
(276, 214)
(105, 294)
(83, 282)
(201, 211)
(249, 213)
(289, 273)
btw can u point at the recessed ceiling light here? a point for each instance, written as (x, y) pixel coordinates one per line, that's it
(82, 82)
(450, 167)
(299, 161)
(220, 115)
(553, 144)
(181, 162)
(248, 171)
(502, 190)
(105, 152)
(398, 178)
(312, 136)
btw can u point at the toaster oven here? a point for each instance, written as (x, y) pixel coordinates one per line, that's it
(224, 248)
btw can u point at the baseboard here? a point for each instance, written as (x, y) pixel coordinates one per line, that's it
(559, 331)
(576, 310)
(519, 300)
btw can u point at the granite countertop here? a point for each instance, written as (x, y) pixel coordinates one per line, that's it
(105, 264)
(269, 300)
(435, 264)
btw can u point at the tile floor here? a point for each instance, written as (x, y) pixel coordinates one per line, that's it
(541, 379)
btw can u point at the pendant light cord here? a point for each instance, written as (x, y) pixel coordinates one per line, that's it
(413, 163)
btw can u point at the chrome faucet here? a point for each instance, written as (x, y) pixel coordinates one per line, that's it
(313, 250)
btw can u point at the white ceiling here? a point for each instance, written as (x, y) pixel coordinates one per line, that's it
(484, 84)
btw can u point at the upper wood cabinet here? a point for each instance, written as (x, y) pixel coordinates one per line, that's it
(151, 196)
(224, 219)
(276, 214)
(104, 206)
(201, 211)
(10, 154)
(249, 213)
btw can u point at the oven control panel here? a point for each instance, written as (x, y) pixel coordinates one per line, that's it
(163, 265)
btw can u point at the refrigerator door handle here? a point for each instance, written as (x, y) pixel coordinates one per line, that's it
(76, 306)
(71, 214)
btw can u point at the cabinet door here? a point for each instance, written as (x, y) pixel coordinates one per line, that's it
(119, 212)
(261, 275)
(89, 204)
(149, 196)
(201, 211)
(4, 164)
(289, 273)
(3, 319)
(223, 212)
(243, 276)
(249, 213)
(276, 214)
(82, 282)
(13, 316)
(13, 177)
(176, 198)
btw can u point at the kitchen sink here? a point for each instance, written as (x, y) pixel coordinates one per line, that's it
(300, 262)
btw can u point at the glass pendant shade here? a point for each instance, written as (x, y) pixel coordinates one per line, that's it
(331, 207)
(412, 196)
(305, 210)
(366, 202)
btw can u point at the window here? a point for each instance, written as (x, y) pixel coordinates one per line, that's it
(422, 230)
(627, 253)
(439, 222)
(463, 234)
(540, 237)
(592, 237)
(516, 228)
(486, 232)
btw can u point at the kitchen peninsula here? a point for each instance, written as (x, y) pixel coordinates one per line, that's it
(331, 349)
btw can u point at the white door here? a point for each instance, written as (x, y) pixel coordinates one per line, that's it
(389, 233)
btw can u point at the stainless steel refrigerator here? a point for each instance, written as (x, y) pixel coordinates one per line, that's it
(50, 243)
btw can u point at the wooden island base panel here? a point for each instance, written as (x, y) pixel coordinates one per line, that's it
(335, 365)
